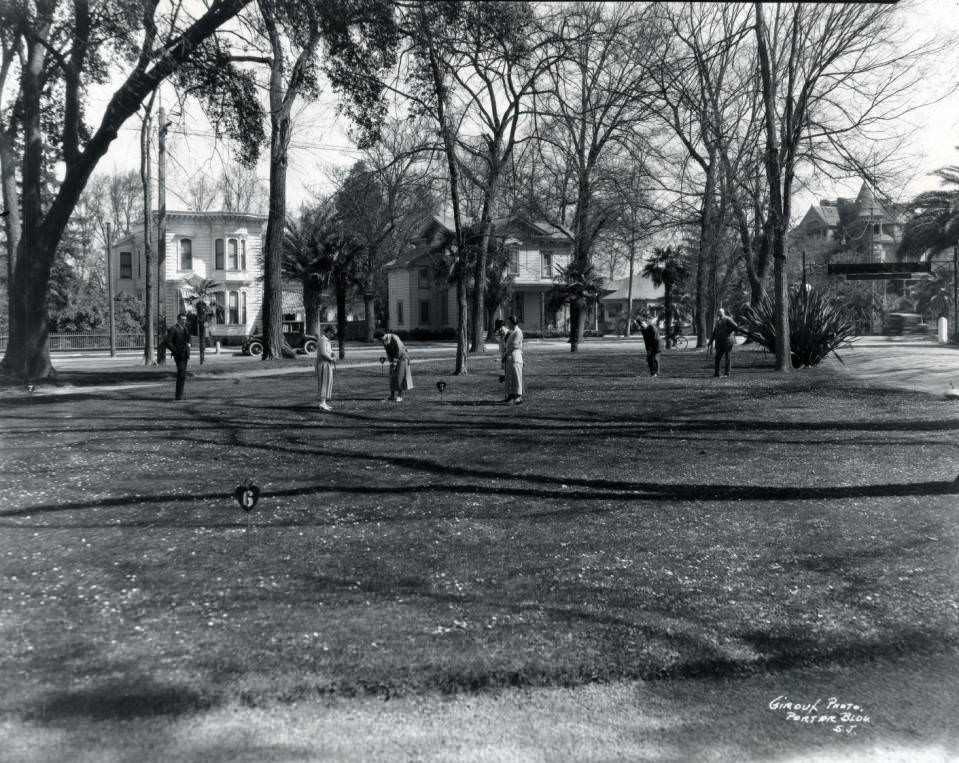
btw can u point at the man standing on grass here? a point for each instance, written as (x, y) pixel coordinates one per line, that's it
(178, 342)
(653, 346)
(400, 377)
(724, 339)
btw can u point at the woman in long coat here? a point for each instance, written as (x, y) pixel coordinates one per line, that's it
(513, 362)
(325, 363)
(400, 377)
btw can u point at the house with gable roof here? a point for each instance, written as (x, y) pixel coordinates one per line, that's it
(422, 300)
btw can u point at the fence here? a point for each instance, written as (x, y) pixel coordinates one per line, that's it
(61, 342)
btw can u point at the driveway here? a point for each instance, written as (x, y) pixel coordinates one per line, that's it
(916, 364)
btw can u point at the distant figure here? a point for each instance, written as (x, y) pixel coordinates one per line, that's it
(723, 338)
(400, 377)
(653, 346)
(513, 361)
(325, 364)
(178, 342)
(499, 331)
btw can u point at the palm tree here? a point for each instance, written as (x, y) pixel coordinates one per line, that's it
(666, 268)
(936, 223)
(936, 227)
(318, 253)
(579, 284)
(933, 294)
(306, 251)
(203, 301)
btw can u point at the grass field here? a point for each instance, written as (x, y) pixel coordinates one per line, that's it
(612, 528)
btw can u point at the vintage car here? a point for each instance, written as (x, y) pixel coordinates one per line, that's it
(293, 332)
(898, 324)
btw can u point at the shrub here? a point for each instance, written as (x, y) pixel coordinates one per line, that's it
(818, 324)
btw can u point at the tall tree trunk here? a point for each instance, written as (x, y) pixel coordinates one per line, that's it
(312, 302)
(668, 308)
(274, 345)
(778, 201)
(577, 323)
(340, 288)
(482, 256)
(27, 353)
(11, 206)
(369, 307)
(149, 328)
(439, 87)
(629, 291)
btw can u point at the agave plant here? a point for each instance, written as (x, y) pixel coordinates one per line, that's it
(818, 324)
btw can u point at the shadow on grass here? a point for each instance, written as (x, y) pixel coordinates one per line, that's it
(610, 492)
(121, 700)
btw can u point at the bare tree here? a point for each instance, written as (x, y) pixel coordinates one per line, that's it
(57, 55)
(242, 190)
(384, 202)
(596, 109)
(834, 81)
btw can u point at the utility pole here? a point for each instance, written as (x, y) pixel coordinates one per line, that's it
(149, 343)
(113, 331)
(955, 293)
(804, 270)
(161, 230)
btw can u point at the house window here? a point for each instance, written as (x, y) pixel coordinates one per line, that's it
(424, 311)
(231, 249)
(514, 262)
(220, 298)
(399, 312)
(424, 278)
(243, 308)
(876, 228)
(186, 254)
(126, 264)
(242, 254)
(218, 254)
(547, 265)
(234, 317)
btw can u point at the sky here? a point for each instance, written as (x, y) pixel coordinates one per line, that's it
(321, 142)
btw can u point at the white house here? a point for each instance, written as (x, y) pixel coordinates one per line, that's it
(422, 299)
(222, 246)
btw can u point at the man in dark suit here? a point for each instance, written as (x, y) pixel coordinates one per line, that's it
(653, 346)
(178, 342)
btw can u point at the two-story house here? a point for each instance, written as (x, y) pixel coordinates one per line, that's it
(221, 246)
(422, 299)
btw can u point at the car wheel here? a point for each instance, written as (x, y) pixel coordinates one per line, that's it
(309, 346)
(255, 348)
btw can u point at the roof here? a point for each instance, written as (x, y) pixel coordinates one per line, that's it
(292, 301)
(828, 211)
(540, 229)
(642, 289)
(173, 214)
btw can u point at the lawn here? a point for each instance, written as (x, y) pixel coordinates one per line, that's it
(614, 527)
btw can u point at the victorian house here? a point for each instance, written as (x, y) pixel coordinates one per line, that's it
(224, 247)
